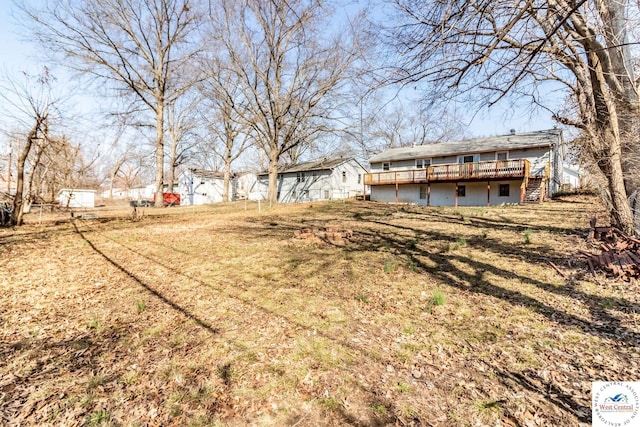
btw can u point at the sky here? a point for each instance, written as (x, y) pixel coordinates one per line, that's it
(13, 53)
(16, 56)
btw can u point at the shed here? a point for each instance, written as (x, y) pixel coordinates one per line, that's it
(76, 198)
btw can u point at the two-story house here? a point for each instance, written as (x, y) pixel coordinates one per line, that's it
(323, 179)
(497, 170)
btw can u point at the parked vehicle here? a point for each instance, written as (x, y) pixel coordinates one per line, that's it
(5, 213)
(141, 203)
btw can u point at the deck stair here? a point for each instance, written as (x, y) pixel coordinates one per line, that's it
(535, 191)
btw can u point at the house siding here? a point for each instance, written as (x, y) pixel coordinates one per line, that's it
(326, 184)
(196, 189)
(444, 194)
(73, 198)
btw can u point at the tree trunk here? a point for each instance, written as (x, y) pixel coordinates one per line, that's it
(171, 173)
(609, 154)
(272, 192)
(35, 164)
(611, 166)
(627, 104)
(159, 203)
(112, 177)
(16, 215)
(227, 173)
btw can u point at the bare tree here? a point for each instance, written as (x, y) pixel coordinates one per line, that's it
(139, 46)
(182, 122)
(56, 164)
(488, 50)
(125, 167)
(289, 68)
(114, 171)
(226, 114)
(387, 123)
(30, 102)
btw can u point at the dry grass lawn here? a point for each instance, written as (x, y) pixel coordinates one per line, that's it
(217, 315)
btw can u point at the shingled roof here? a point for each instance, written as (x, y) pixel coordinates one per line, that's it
(208, 174)
(542, 138)
(315, 165)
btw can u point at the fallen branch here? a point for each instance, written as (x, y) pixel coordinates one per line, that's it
(555, 267)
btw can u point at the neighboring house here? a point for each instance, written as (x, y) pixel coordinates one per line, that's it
(199, 187)
(244, 183)
(324, 179)
(498, 170)
(572, 177)
(136, 193)
(76, 198)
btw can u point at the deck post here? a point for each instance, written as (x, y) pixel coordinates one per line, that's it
(456, 194)
(488, 193)
(428, 194)
(396, 191)
(523, 190)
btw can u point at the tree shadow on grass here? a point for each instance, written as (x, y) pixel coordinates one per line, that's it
(466, 217)
(399, 238)
(604, 325)
(201, 322)
(346, 417)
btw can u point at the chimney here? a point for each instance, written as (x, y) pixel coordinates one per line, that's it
(513, 131)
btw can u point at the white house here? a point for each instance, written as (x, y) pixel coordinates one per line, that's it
(498, 170)
(244, 183)
(324, 179)
(76, 198)
(573, 177)
(136, 193)
(198, 186)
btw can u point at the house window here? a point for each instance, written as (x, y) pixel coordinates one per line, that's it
(300, 176)
(359, 178)
(469, 158)
(423, 163)
(502, 155)
(344, 176)
(326, 194)
(504, 190)
(386, 166)
(462, 191)
(423, 192)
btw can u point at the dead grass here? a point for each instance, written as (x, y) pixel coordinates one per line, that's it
(216, 315)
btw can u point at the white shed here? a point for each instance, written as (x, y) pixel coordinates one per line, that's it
(76, 198)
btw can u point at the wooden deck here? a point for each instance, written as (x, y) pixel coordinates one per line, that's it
(477, 171)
